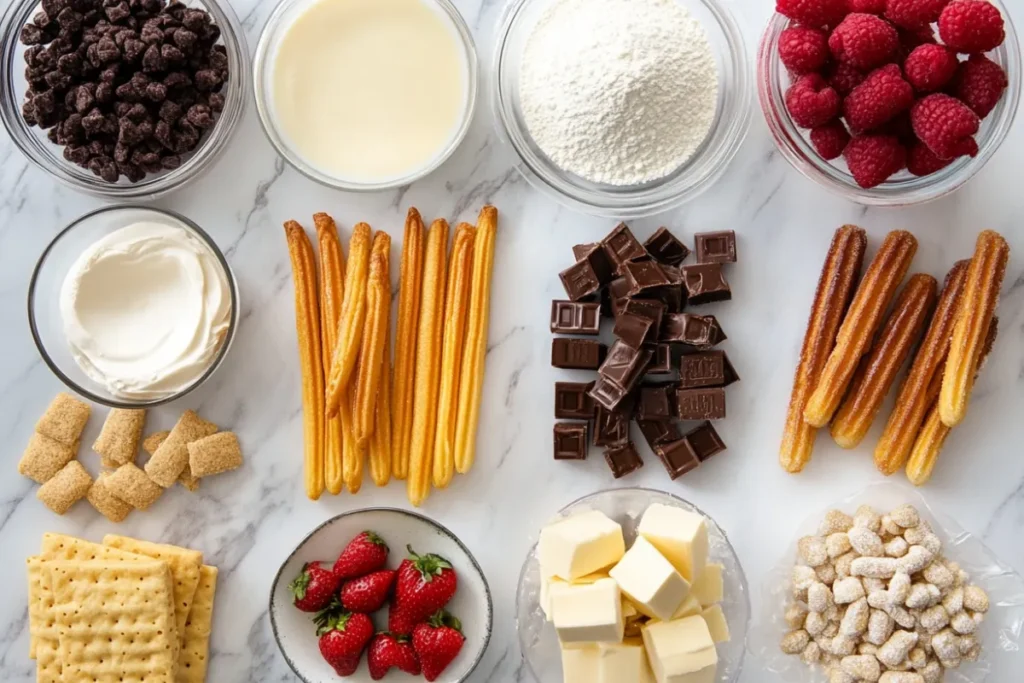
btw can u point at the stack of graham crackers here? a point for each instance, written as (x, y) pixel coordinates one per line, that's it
(124, 610)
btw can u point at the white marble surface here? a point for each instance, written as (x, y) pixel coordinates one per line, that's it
(246, 522)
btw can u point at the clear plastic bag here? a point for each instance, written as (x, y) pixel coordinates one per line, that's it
(1001, 634)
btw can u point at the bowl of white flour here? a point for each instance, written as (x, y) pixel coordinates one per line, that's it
(621, 108)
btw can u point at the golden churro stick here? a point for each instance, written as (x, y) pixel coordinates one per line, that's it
(977, 309)
(878, 370)
(835, 288)
(380, 442)
(862, 321)
(352, 455)
(332, 278)
(378, 312)
(428, 363)
(353, 315)
(405, 343)
(914, 399)
(456, 313)
(307, 329)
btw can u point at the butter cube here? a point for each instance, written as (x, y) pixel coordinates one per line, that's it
(650, 581)
(690, 608)
(710, 587)
(586, 614)
(629, 611)
(580, 545)
(553, 583)
(579, 665)
(681, 651)
(717, 625)
(621, 663)
(681, 536)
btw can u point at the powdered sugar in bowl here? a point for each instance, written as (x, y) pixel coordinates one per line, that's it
(621, 108)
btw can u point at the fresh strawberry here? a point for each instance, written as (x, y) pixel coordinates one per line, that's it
(368, 593)
(314, 587)
(425, 585)
(365, 553)
(437, 643)
(342, 638)
(388, 651)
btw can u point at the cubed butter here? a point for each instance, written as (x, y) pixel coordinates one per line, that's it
(553, 583)
(629, 610)
(621, 662)
(590, 613)
(681, 651)
(717, 625)
(580, 545)
(710, 587)
(650, 581)
(681, 536)
(579, 665)
(690, 608)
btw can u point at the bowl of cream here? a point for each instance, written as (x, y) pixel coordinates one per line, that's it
(366, 95)
(133, 306)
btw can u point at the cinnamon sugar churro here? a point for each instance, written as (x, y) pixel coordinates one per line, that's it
(380, 442)
(410, 284)
(378, 313)
(353, 456)
(353, 316)
(332, 277)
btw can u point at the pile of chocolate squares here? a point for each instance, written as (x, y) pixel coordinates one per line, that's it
(662, 366)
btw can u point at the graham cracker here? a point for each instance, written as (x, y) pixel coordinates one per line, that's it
(105, 502)
(44, 458)
(131, 485)
(195, 652)
(64, 420)
(171, 457)
(153, 441)
(118, 441)
(34, 567)
(214, 454)
(66, 488)
(188, 480)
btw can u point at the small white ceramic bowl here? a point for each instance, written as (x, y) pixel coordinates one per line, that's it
(294, 630)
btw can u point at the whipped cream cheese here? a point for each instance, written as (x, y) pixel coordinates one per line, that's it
(145, 310)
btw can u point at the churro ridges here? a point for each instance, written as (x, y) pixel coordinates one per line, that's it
(352, 455)
(456, 313)
(873, 297)
(353, 315)
(378, 313)
(332, 277)
(380, 441)
(878, 370)
(407, 322)
(835, 287)
(977, 309)
(916, 395)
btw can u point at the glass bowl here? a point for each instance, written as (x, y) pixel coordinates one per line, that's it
(40, 151)
(44, 289)
(903, 189)
(537, 638)
(728, 129)
(274, 31)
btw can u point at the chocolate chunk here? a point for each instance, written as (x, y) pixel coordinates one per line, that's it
(621, 246)
(580, 280)
(706, 369)
(656, 403)
(716, 247)
(705, 284)
(623, 460)
(573, 402)
(608, 394)
(577, 354)
(611, 427)
(657, 432)
(678, 457)
(581, 250)
(700, 404)
(570, 440)
(617, 294)
(644, 276)
(673, 296)
(699, 331)
(624, 365)
(602, 266)
(731, 377)
(650, 309)
(662, 362)
(665, 248)
(633, 330)
(705, 442)
(569, 317)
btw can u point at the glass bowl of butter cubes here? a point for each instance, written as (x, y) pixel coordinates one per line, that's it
(633, 586)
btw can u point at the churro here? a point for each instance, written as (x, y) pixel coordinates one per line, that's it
(456, 310)
(471, 375)
(869, 304)
(380, 441)
(977, 309)
(428, 361)
(410, 283)
(307, 328)
(878, 369)
(332, 277)
(914, 399)
(353, 315)
(378, 313)
(835, 288)
(352, 455)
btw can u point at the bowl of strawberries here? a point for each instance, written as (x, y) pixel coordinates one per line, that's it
(889, 102)
(381, 594)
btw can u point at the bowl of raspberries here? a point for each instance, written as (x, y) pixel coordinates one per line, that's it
(889, 102)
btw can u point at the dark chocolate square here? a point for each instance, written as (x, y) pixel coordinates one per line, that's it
(581, 250)
(705, 441)
(570, 440)
(705, 284)
(577, 354)
(651, 309)
(731, 377)
(573, 401)
(706, 403)
(666, 248)
(678, 457)
(657, 432)
(618, 295)
(623, 460)
(644, 276)
(716, 247)
(608, 394)
(611, 427)
(656, 402)
(662, 362)
(580, 280)
(632, 329)
(621, 246)
(575, 317)
(704, 369)
(624, 366)
(698, 331)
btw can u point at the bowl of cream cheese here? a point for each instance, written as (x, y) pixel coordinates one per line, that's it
(133, 306)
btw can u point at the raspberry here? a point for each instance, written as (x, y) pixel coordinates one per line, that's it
(844, 78)
(812, 102)
(881, 96)
(876, 7)
(803, 50)
(864, 41)
(921, 161)
(818, 13)
(946, 125)
(873, 159)
(830, 140)
(913, 37)
(971, 26)
(930, 67)
(913, 13)
(979, 83)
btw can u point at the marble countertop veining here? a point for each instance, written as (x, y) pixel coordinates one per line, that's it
(247, 521)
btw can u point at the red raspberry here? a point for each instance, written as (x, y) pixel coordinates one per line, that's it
(830, 140)
(868, 6)
(979, 83)
(971, 26)
(913, 37)
(803, 50)
(930, 67)
(812, 102)
(873, 159)
(881, 96)
(921, 161)
(913, 13)
(864, 41)
(844, 78)
(818, 13)
(946, 125)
